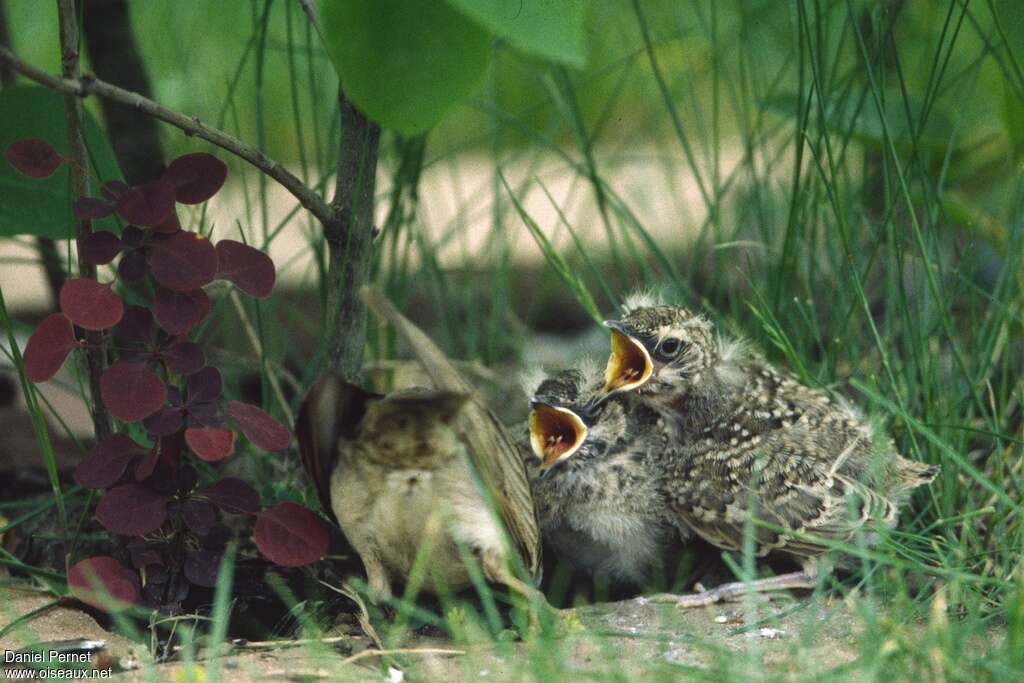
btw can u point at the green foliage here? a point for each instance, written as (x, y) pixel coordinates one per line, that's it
(552, 29)
(43, 207)
(407, 63)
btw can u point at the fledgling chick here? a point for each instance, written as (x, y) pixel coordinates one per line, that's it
(747, 434)
(594, 482)
(402, 485)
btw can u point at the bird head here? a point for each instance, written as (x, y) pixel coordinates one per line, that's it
(566, 421)
(657, 349)
(412, 428)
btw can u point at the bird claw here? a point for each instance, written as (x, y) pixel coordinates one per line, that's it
(736, 591)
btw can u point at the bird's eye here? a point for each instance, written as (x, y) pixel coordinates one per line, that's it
(670, 347)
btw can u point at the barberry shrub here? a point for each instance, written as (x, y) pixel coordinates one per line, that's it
(161, 389)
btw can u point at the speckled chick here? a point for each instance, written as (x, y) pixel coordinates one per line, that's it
(596, 490)
(749, 435)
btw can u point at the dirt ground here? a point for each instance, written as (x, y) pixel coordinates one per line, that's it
(630, 638)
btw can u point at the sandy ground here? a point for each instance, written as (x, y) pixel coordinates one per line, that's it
(630, 638)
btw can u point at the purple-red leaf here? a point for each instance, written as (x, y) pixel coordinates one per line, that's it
(198, 515)
(136, 327)
(211, 444)
(144, 553)
(90, 304)
(107, 462)
(33, 157)
(131, 392)
(201, 567)
(258, 427)
(148, 204)
(196, 177)
(114, 189)
(133, 236)
(249, 269)
(290, 535)
(132, 510)
(48, 347)
(203, 305)
(91, 208)
(184, 358)
(168, 225)
(165, 422)
(183, 261)
(103, 583)
(205, 386)
(144, 468)
(175, 312)
(132, 266)
(233, 495)
(101, 247)
(187, 478)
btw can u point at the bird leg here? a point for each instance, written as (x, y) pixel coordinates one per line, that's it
(376, 576)
(496, 570)
(736, 590)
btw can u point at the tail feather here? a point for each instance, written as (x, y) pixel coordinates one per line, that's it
(331, 411)
(910, 474)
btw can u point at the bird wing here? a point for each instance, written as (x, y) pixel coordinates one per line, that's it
(792, 494)
(330, 412)
(491, 448)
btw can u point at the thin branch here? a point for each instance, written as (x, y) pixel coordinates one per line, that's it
(191, 125)
(95, 352)
(350, 240)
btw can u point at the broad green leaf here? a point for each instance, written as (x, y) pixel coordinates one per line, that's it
(404, 62)
(552, 29)
(43, 207)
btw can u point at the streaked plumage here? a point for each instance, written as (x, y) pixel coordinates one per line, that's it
(747, 435)
(600, 504)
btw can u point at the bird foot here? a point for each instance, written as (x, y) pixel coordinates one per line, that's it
(738, 590)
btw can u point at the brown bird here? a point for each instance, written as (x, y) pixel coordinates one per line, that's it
(752, 442)
(421, 471)
(594, 480)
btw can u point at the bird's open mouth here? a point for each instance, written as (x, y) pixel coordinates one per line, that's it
(555, 433)
(629, 365)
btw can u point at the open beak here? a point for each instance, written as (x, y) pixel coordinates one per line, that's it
(629, 364)
(555, 433)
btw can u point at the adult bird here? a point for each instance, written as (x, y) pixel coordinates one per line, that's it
(427, 470)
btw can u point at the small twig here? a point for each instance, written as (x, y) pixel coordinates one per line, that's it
(401, 651)
(191, 125)
(364, 614)
(242, 644)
